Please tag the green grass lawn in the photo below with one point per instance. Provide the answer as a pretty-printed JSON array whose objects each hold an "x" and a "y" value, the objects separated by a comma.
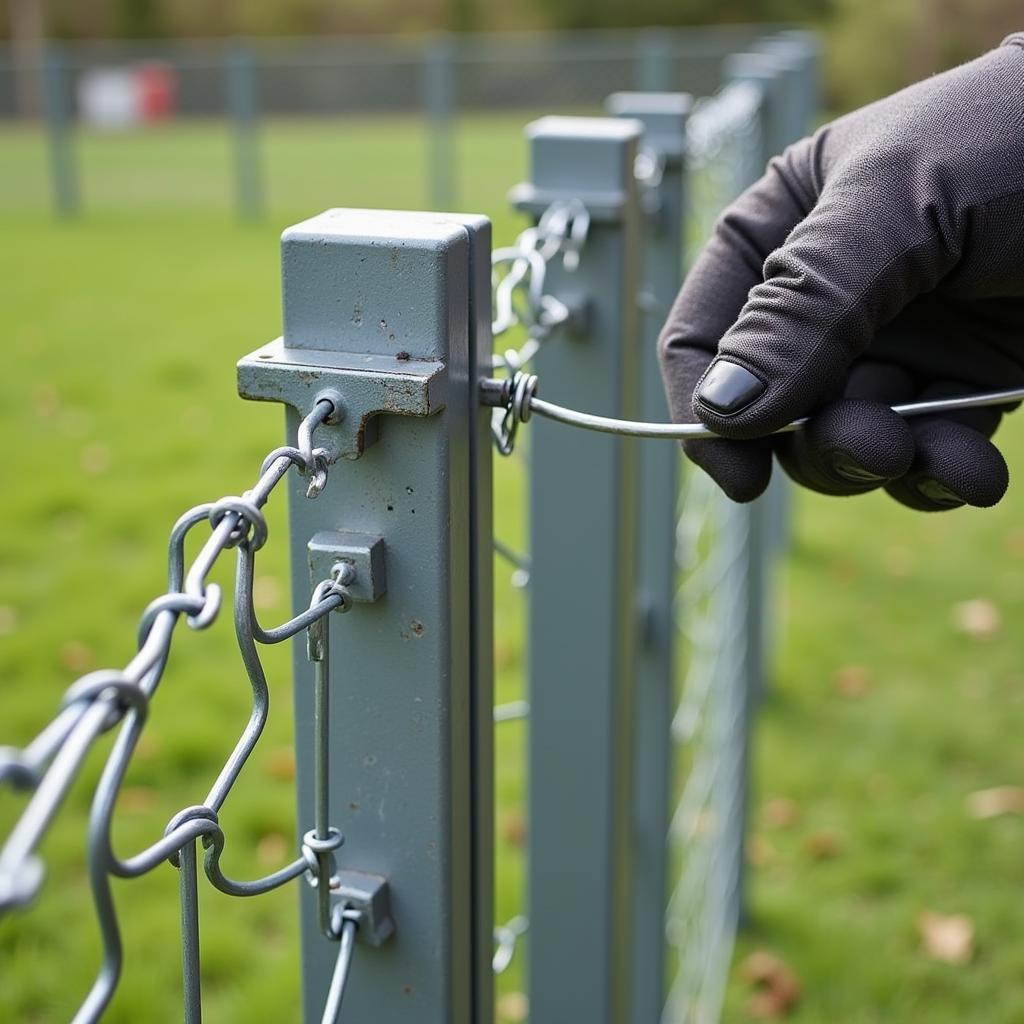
[{"x": 118, "y": 411}]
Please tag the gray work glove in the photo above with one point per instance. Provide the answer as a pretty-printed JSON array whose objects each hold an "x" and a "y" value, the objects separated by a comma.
[{"x": 877, "y": 262}]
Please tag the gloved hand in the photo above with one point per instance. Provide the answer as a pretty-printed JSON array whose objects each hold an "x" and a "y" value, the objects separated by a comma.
[{"x": 879, "y": 261}]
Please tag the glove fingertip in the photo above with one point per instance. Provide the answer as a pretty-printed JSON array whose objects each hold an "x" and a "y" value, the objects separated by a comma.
[
  {"x": 954, "y": 465},
  {"x": 861, "y": 440},
  {"x": 742, "y": 470}
]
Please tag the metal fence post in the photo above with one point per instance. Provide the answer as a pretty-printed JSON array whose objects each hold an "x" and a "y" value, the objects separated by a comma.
[
  {"x": 243, "y": 106},
  {"x": 59, "y": 131},
  {"x": 750, "y": 527},
  {"x": 786, "y": 66},
  {"x": 581, "y": 618},
  {"x": 654, "y": 60},
  {"x": 439, "y": 99},
  {"x": 663, "y": 152},
  {"x": 392, "y": 310}
]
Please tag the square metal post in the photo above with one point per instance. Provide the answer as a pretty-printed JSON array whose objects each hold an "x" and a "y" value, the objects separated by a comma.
[
  {"x": 439, "y": 95},
  {"x": 243, "y": 109},
  {"x": 582, "y": 619},
  {"x": 654, "y": 60},
  {"x": 663, "y": 147},
  {"x": 393, "y": 311},
  {"x": 58, "y": 100}
]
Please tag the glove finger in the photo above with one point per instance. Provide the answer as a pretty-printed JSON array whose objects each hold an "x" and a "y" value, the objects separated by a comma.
[
  {"x": 741, "y": 468},
  {"x": 851, "y": 446},
  {"x": 857, "y": 443},
  {"x": 953, "y": 465},
  {"x": 880, "y": 381}
]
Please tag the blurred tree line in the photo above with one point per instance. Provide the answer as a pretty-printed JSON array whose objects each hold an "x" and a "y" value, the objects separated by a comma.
[{"x": 872, "y": 46}]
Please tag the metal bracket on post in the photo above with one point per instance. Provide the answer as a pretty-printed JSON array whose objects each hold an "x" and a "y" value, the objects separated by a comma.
[
  {"x": 368, "y": 896},
  {"x": 582, "y": 515},
  {"x": 387, "y": 314},
  {"x": 365, "y": 554},
  {"x": 367, "y": 386},
  {"x": 664, "y": 117}
]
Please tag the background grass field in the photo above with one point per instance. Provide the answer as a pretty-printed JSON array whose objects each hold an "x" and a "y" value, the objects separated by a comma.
[{"x": 118, "y": 411}]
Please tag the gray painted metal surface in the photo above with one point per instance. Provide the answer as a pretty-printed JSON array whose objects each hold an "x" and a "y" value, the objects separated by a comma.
[
  {"x": 411, "y": 679},
  {"x": 581, "y": 620},
  {"x": 664, "y": 118},
  {"x": 439, "y": 98},
  {"x": 243, "y": 109},
  {"x": 59, "y": 132}
]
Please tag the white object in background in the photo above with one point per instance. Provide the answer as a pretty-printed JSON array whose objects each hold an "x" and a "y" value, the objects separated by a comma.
[{"x": 109, "y": 98}]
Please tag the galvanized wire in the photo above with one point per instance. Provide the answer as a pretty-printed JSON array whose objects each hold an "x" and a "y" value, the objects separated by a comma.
[
  {"x": 122, "y": 698},
  {"x": 697, "y": 431}
]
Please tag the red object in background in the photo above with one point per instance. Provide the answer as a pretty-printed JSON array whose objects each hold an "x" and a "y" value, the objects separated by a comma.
[{"x": 156, "y": 91}]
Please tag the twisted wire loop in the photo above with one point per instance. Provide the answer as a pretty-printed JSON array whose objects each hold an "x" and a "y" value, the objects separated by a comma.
[
  {"x": 506, "y": 938},
  {"x": 520, "y": 296},
  {"x": 121, "y": 698}
]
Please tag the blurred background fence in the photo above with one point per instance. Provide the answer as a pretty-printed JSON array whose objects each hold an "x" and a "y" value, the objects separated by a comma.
[{"x": 123, "y": 99}]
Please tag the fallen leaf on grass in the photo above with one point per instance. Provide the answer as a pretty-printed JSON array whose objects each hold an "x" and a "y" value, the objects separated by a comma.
[
  {"x": 513, "y": 829},
  {"x": 136, "y": 799},
  {"x": 823, "y": 845},
  {"x": 898, "y": 562},
  {"x": 281, "y": 764},
  {"x": 266, "y": 593},
  {"x": 76, "y": 656},
  {"x": 990, "y": 803},
  {"x": 1015, "y": 542},
  {"x": 947, "y": 937},
  {"x": 272, "y": 849},
  {"x": 95, "y": 459},
  {"x": 148, "y": 747},
  {"x": 513, "y": 1007},
  {"x": 780, "y": 812},
  {"x": 8, "y": 619},
  {"x": 758, "y": 850},
  {"x": 979, "y": 618},
  {"x": 778, "y": 990},
  {"x": 853, "y": 681}
]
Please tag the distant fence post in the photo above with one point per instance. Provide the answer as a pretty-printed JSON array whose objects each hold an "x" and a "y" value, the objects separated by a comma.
[
  {"x": 392, "y": 312},
  {"x": 654, "y": 60},
  {"x": 663, "y": 154},
  {"x": 439, "y": 99},
  {"x": 243, "y": 108},
  {"x": 750, "y": 528},
  {"x": 60, "y": 132},
  {"x": 787, "y": 64},
  {"x": 582, "y": 623}
]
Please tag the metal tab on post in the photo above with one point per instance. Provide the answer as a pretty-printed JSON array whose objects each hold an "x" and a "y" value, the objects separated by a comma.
[
  {"x": 390, "y": 312},
  {"x": 367, "y": 895},
  {"x": 368, "y": 386},
  {"x": 365, "y": 554},
  {"x": 582, "y": 632}
]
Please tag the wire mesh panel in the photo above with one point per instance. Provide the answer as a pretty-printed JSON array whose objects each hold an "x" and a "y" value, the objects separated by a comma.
[{"x": 715, "y": 548}]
